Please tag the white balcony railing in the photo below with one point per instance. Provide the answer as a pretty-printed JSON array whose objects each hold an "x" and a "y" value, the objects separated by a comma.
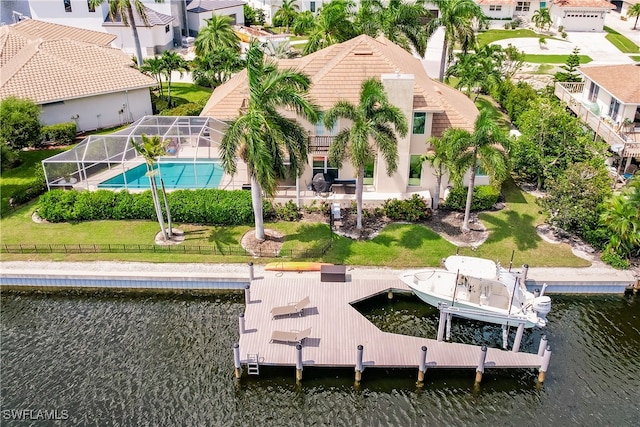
[{"x": 624, "y": 143}]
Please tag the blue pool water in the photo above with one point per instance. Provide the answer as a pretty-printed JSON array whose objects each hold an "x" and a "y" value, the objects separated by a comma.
[{"x": 186, "y": 175}]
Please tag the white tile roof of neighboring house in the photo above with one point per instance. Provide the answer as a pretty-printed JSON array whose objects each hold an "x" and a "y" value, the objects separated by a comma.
[
  {"x": 604, "y": 4},
  {"x": 199, "y": 6},
  {"x": 338, "y": 71},
  {"x": 49, "y": 31},
  {"x": 57, "y": 68},
  {"x": 622, "y": 81},
  {"x": 153, "y": 18}
]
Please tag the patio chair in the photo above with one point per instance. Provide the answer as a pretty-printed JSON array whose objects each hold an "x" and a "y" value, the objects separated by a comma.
[
  {"x": 292, "y": 336},
  {"x": 630, "y": 171},
  {"x": 291, "y": 308}
]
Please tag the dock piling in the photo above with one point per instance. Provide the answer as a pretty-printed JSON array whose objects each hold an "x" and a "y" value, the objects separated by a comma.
[
  {"x": 480, "y": 368},
  {"x": 247, "y": 294},
  {"x": 542, "y": 346},
  {"x": 359, "y": 366},
  {"x": 441, "y": 324},
  {"x": 545, "y": 364},
  {"x": 390, "y": 294},
  {"x": 422, "y": 367},
  {"x": 251, "y": 276},
  {"x": 298, "y": 363},
  {"x": 525, "y": 272},
  {"x": 518, "y": 340},
  {"x": 505, "y": 336},
  {"x": 448, "y": 326},
  {"x": 241, "y": 323},
  {"x": 236, "y": 361}
]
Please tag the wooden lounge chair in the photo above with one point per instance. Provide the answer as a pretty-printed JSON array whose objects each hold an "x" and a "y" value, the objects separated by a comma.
[
  {"x": 290, "y": 336},
  {"x": 291, "y": 308}
]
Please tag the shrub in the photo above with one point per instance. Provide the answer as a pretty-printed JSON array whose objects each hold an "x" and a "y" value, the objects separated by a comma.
[
  {"x": 287, "y": 212},
  {"x": 484, "y": 198},
  {"x": 19, "y": 122},
  {"x": 615, "y": 260},
  {"x": 9, "y": 157},
  {"x": 216, "y": 207},
  {"x": 413, "y": 209},
  {"x": 25, "y": 195},
  {"x": 188, "y": 109},
  {"x": 61, "y": 133}
]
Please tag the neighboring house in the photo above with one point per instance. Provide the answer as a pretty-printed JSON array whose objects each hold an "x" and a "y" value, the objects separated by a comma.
[
  {"x": 498, "y": 9},
  {"x": 156, "y": 35},
  {"x": 270, "y": 7},
  {"x": 337, "y": 73},
  {"x": 72, "y": 74},
  {"x": 199, "y": 10},
  {"x": 609, "y": 102},
  {"x": 580, "y": 15}
]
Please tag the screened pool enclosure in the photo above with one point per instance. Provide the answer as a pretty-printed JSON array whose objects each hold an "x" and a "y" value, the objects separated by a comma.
[{"x": 111, "y": 161}]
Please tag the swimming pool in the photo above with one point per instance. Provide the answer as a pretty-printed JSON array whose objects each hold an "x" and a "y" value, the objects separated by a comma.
[{"x": 184, "y": 175}]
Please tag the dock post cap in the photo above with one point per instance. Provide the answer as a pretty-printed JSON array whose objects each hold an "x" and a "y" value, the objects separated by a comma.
[
  {"x": 424, "y": 348},
  {"x": 236, "y": 345},
  {"x": 298, "y": 346},
  {"x": 360, "y": 347}
]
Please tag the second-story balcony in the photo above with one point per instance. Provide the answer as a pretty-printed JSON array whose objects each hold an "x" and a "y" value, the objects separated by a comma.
[
  {"x": 320, "y": 143},
  {"x": 624, "y": 141}
]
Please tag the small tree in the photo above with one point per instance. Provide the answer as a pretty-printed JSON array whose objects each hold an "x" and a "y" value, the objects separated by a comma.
[
  {"x": 171, "y": 61},
  {"x": 634, "y": 11},
  {"x": 541, "y": 18},
  {"x": 287, "y": 13},
  {"x": 154, "y": 67},
  {"x": 19, "y": 122},
  {"x": 621, "y": 216},
  {"x": 570, "y": 68},
  {"x": 440, "y": 159}
]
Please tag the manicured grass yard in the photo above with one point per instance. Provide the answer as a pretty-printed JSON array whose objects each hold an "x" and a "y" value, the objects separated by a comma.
[
  {"x": 623, "y": 44},
  {"x": 553, "y": 59},
  {"x": 188, "y": 92},
  {"x": 491, "y": 36},
  {"x": 635, "y": 57}
]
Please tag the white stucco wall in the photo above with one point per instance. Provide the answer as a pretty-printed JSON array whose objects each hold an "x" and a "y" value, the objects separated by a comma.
[
  {"x": 153, "y": 40},
  {"x": 197, "y": 20},
  {"x": 578, "y": 19},
  {"x": 100, "y": 111},
  {"x": 506, "y": 11}
]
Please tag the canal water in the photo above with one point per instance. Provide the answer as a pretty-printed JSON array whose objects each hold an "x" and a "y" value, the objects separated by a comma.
[{"x": 110, "y": 359}]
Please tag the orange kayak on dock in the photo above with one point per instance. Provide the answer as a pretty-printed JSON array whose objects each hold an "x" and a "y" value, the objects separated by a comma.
[{"x": 295, "y": 266}]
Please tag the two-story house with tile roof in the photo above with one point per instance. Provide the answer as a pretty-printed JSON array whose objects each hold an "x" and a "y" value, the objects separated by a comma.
[
  {"x": 337, "y": 73},
  {"x": 72, "y": 74}
]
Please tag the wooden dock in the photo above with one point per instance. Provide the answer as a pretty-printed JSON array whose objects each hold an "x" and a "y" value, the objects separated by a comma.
[{"x": 337, "y": 329}]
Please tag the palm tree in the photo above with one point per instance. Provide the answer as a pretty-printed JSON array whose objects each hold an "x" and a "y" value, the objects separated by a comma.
[
  {"x": 151, "y": 148},
  {"x": 171, "y": 61},
  {"x": 400, "y": 22},
  {"x": 634, "y": 11},
  {"x": 287, "y": 13},
  {"x": 621, "y": 216},
  {"x": 478, "y": 71},
  {"x": 485, "y": 148},
  {"x": 456, "y": 16},
  {"x": 216, "y": 67},
  {"x": 373, "y": 120},
  {"x": 153, "y": 67},
  {"x": 331, "y": 26},
  {"x": 217, "y": 34},
  {"x": 440, "y": 158},
  {"x": 261, "y": 136},
  {"x": 303, "y": 23},
  {"x": 124, "y": 9},
  {"x": 541, "y": 18}
]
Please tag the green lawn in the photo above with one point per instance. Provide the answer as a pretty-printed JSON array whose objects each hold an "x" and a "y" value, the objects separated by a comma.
[
  {"x": 553, "y": 59},
  {"x": 22, "y": 177},
  {"x": 623, "y": 44},
  {"x": 491, "y": 36},
  {"x": 188, "y": 92},
  {"x": 513, "y": 229},
  {"x": 635, "y": 57}
]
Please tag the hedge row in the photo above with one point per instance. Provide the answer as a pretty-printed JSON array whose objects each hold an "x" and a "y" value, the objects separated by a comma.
[
  {"x": 484, "y": 198},
  {"x": 216, "y": 207},
  {"x": 412, "y": 209},
  {"x": 61, "y": 133}
]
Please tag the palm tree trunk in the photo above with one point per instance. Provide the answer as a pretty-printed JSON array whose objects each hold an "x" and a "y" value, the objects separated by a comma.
[
  {"x": 443, "y": 58},
  {"x": 436, "y": 194},
  {"x": 169, "y": 88},
  {"x": 136, "y": 37},
  {"x": 156, "y": 203},
  {"x": 636, "y": 23},
  {"x": 166, "y": 207},
  {"x": 256, "y": 200},
  {"x": 467, "y": 208},
  {"x": 359, "y": 188}
]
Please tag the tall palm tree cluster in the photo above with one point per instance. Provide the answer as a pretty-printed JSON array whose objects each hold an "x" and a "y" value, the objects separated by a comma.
[{"x": 163, "y": 66}]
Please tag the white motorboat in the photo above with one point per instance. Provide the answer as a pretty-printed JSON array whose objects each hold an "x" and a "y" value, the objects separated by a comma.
[{"x": 480, "y": 289}]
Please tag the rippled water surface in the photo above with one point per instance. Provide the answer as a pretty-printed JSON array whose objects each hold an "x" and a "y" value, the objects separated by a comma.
[{"x": 167, "y": 360}]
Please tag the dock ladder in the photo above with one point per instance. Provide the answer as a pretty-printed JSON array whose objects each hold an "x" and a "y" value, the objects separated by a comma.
[{"x": 253, "y": 365}]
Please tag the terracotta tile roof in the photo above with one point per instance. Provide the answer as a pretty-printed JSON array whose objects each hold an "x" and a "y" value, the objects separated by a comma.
[
  {"x": 622, "y": 81},
  {"x": 153, "y": 18},
  {"x": 199, "y": 6},
  {"x": 584, "y": 3},
  {"x": 338, "y": 71},
  {"x": 496, "y": 2},
  {"x": 50, "y": 70},
  {"x": 49, "y": 31}
]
